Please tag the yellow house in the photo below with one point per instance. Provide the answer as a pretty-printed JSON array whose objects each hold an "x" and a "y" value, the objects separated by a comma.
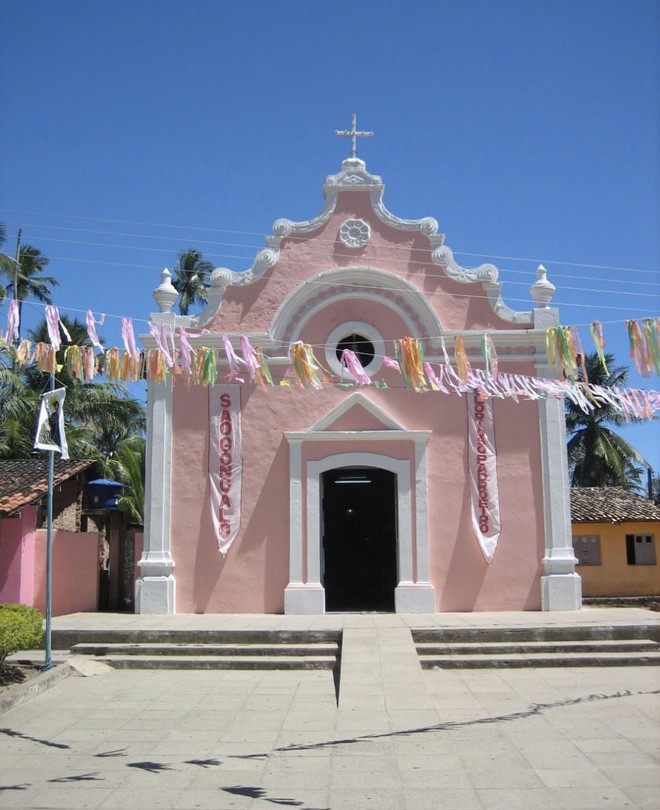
[{"x": 614, "y": 538}]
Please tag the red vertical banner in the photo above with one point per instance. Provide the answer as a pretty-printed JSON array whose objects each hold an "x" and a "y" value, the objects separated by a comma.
[
  {"x": 482, "y": 467},
  {"x": 225, "y": 463}
]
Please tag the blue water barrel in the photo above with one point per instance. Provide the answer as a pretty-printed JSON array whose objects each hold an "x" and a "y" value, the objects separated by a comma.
[{"x": 103, "y": 493}]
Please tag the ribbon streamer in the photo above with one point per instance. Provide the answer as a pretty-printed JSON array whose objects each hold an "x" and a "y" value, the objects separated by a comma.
[
  {"x": 13, "y": 322},
  {"x": 350, "y": 361},
  {"x": 91, "y": 328}
]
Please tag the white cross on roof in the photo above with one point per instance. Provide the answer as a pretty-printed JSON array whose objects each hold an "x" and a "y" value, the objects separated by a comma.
[{"x": 354, "y": 134}]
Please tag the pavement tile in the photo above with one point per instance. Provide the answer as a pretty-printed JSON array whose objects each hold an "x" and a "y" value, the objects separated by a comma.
[
  {"x": 56, "y": 796},
  {"x": 354, "y": 763},
  {"x": 295, "y": 782},
  {"x": 572, "y": 778},
  {"x": 635, "y": 776},
  {"x": 135, "y": 798},
  {"x": 366, "y": 799},
  {"x": 371, "y": 775},
  {"x": 444, "y": 798},
  {"x": 643, "y": 796},
  {"x": 592, "y": 798},
  {"x": 438, "y": 778},
  {"x": 519, "y": 799},
  {"x": 606, "y": 744}
]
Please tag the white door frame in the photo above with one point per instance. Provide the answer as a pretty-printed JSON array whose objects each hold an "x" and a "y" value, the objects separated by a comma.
[{"x": 305, "y": 593}]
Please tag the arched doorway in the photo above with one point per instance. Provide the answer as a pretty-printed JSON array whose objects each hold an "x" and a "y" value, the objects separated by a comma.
[{"x": 359, "y": 532}]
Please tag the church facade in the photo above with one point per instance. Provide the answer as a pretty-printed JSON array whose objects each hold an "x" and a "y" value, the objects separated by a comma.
[{"x": 400, "y": 483}]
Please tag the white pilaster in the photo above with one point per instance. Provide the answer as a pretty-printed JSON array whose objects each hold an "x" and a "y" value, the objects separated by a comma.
[
  {"x": 561, "y": 586},
  {"x": 300, "y": 598},
  {"x": 418, "y": 596},
  {"x": 155, "y": 589}
]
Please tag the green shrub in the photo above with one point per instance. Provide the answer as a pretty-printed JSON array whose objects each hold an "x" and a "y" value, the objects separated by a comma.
[{"x": 21, "y": 628}]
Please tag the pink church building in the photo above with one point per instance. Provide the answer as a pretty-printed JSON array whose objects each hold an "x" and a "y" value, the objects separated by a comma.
[{"x": 347, "y": 496}]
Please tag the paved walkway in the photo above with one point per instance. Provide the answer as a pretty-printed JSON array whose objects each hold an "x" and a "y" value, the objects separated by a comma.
[{"x": 397, "y": 738}]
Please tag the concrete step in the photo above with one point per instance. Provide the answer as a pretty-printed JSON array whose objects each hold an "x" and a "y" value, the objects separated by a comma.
[
  {"x": 559, "y": 659},
  {"x": 432, "y": 648},
  {"x": 527, "y": 634},
  {"x": 218, "y": 650},
  {"x": 234, "y": 662},
  {"x": 64, "y": 639}
]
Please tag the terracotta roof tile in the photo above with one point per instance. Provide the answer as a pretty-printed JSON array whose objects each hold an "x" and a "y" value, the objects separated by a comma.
[
  {"x": 25, "y": 481},
  {"x": 610, "y": 505}
]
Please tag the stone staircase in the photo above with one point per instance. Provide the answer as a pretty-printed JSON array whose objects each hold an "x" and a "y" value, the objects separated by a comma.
[
  {"x": 441, "y": 648},
  {"x": 206, "y": 649},
  {"x": 458, "y": 648}
]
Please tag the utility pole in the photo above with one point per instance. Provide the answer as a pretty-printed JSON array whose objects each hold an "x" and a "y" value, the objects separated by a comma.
[
  {"x": 48, "y": 662},
  {"x": 17, "y": 265}
]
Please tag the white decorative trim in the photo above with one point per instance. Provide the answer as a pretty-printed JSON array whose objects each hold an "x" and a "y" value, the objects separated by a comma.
[
  {"x": 305, "y": 593},
  {"x": 354, "y": 177},
  {"x": 355, "y": 283},
  {"x": 155, "y": 588},
  {"x": 357, "y": 399},
  {"x": 401, "y": 468},
  {"x": 561, "y": 586},
  {"x": 342, "y": 331}
]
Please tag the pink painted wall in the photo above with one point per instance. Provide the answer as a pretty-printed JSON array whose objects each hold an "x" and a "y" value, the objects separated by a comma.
[
  {"x": 253, "y": 576},
  {"x": 75, "y": 572},
  {"x": 17, "y": 541},
  {"x": 405, "y": 253}
]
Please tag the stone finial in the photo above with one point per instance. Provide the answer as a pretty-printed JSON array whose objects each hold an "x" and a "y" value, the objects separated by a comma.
[
  {"x": 542, "y": 290},
  {"x": 165, "y": 294}
]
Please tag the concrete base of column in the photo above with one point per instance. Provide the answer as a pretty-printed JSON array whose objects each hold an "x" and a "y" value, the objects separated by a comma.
[
  {"x": 561, "y": 592},
  {"x": 303, "y": 599},
  {"x": 414, "y": 597},
  {"x": 155, "y": 595}
]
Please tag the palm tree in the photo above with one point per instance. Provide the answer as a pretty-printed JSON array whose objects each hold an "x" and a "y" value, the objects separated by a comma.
[
  {"x": 128, "y": 467},
  {"x": 29, "y": 281},
  {"x": 7, "y": 264},
  {"x": 103, "y": 412},
  {"x": 597, "y": 455},
  {"x": 18, "y": 409},
  {"x": 190, "y": 274},
  {"x": 98, "y": 415}
]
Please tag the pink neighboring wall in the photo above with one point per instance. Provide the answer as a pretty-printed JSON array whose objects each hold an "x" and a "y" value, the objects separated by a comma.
[
  {"x": 75, "y": 572},
  {"x": 17, "y": 539}
]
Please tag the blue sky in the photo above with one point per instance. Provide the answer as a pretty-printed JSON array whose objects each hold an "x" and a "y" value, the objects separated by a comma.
[{"x": 529, "y": 130}]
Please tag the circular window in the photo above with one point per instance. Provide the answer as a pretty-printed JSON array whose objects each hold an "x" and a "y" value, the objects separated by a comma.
[
  {"x": 362, "y": 346},
  {"x": 361, "y": 338},
  {"x": 354, "y": 233}
]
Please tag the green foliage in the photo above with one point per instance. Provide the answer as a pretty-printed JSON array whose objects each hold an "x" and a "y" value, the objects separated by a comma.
[
  {"x": 21, "y": 628},
  {"x": 597, "y": 455},
  {"x": 128, "y": 467},
  {"x": 98, "y": 415},
  {"x": 191, "y": 274},
  {"x": 7, "y": 264}
]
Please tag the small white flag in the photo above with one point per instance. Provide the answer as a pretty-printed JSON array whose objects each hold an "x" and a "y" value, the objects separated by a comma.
[{"x": 50, "y": 427}]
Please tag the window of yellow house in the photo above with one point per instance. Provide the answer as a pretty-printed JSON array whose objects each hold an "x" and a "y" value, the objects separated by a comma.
[
  {"x": 640, "y": 549},
  {"x": 587, "y": 548}
]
